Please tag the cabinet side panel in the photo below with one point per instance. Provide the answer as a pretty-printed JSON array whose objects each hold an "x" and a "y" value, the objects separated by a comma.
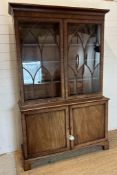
[
  {"x": 46, "y": 132},
  {"x": 88, "y": 123}
]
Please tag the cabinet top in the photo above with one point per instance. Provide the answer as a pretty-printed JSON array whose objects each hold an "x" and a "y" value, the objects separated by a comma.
[{"x": 49, "y": 8}]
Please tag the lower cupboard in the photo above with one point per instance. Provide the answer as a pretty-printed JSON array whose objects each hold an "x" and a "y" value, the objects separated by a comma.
[{"x": 63, "y": 128}]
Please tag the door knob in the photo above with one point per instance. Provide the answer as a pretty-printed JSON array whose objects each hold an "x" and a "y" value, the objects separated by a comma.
[{"x": 71, "y": 137}]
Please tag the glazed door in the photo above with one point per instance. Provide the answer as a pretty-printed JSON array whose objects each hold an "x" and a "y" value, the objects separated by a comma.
[
  {"x": 88, "y": 123},
  {"x": 83, "y": 58},
  {"x": 47, "y": 131},
  {"x": 41, "y": 44}
]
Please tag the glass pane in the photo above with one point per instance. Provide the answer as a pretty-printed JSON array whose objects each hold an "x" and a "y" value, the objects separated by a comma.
[
  {"x": 40, "y": 60},
  {"x": 83, "y": 59}
]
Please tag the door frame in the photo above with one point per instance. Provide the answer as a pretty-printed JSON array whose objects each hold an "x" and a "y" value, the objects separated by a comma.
[
  {"x": 17, "y": 20},
  {"x": 84, "y": 21}
]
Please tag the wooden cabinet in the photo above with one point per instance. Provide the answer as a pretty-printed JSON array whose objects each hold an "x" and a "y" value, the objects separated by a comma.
[{"x": 60, "y": 71}]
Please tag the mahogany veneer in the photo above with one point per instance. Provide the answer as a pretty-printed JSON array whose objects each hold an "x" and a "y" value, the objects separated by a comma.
[{"x": 60, "y": 71}]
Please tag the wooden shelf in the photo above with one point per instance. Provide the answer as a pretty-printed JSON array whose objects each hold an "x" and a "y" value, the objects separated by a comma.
[
  {"x": 47, "y": 44},
  {"x": 42, "y": 83},
  {"x": 73, "y": 45},
  {"x": 50, "y": 61},
  {"x": 84, "y": 79}
]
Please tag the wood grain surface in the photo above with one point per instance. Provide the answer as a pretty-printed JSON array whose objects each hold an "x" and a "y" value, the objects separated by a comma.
[
  {"x": 88, "y": 123},
  {"x": 46, "y": 132}
]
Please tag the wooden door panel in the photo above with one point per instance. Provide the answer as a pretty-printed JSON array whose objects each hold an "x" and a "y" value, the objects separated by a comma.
[
  {"x": 47, "y": 131},
  {"x": 88, "y": 123}
]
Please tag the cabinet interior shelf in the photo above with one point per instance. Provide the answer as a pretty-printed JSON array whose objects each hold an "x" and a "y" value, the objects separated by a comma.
[
  {"x": 84, "y": 79},
  {"x": 41, "y": 44},
  {"x": 44, "y": 82},
  {"x": 45, "y": 61}
]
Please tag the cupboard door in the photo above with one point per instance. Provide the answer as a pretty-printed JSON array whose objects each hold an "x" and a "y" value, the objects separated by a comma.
[
  {"x": 83, "y": 52},
  {"x": 47, "y": 131},
  {"x": 41, "y": 59},
  {"x": 88, "y": 123}
]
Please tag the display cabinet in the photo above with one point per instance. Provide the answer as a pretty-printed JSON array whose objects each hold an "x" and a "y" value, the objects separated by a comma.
[{"x": 60, "y": 69}]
